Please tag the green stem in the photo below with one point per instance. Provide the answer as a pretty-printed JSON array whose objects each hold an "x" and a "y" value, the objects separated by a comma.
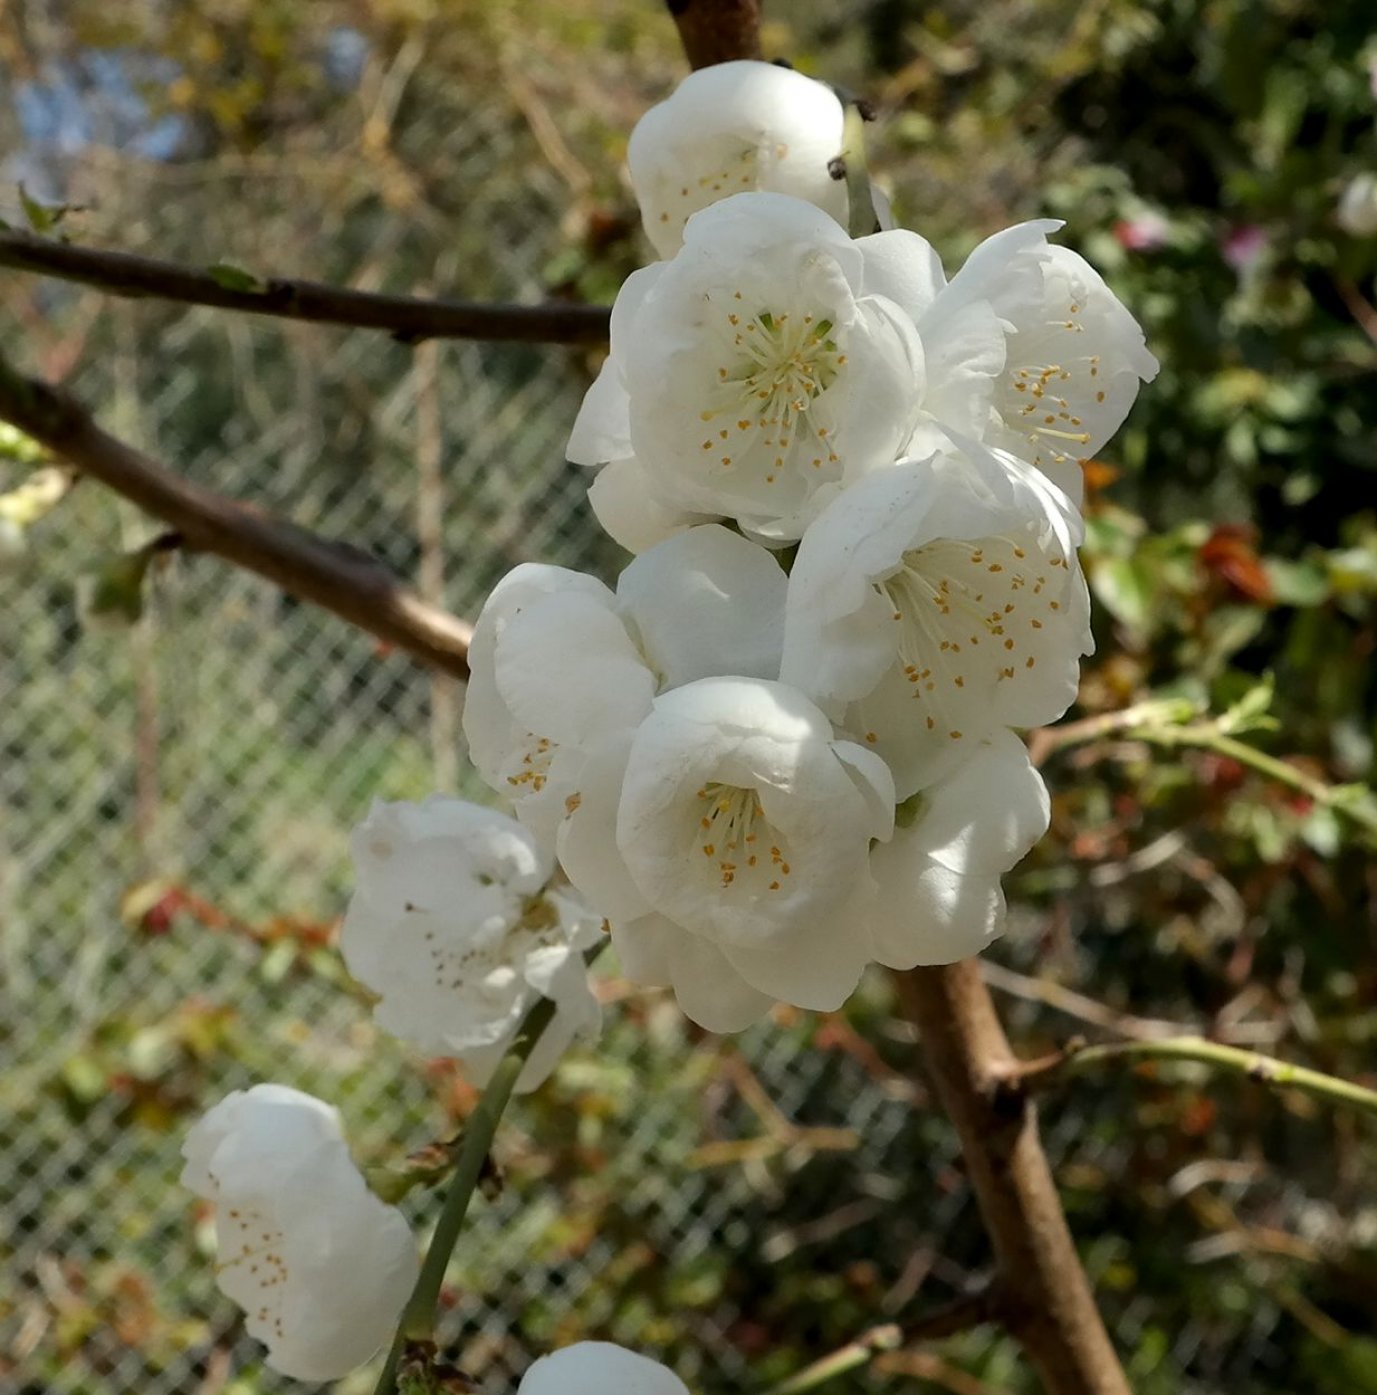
[
  {"x": 1209, "y": 738},
  {"x": 960, "y": 1315},
  {"x": 418, "y": 1317},
  {"x": 847, "y": 1358},
  {"x": 1266, "y": 1070},
  {"x": 862, "y": 220}
]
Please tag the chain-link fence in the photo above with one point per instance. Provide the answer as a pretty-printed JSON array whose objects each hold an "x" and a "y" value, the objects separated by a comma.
[{"x": 176, "y": 803}]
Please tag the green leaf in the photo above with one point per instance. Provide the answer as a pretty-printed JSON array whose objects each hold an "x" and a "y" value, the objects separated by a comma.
[
  {"x": 111, "y": 596},
  {"x": 1250, "y": 712},
  {"x": 235, "y": 278},
  {"x": 277, "y": 962},
  {"x": 1297, "y": 583},
  {"x": 84, "y": 1076},
  {"x": 22, "y": 449},
  {"x": 1124, "y": 587},
  {"x": 43, "y": 218}
]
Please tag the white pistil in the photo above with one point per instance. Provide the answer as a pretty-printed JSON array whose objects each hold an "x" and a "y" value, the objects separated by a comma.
[{"x": 779, "y": 365}]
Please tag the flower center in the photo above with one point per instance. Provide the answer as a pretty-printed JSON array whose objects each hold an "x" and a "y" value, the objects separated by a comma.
[
  {"x": 735, "y": 837},
  {"x": 777, "y": 366},
  {"x": 964, "y": 615}
]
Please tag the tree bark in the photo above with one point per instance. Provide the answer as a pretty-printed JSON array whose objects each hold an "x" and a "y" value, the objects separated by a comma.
[
  {"x": 717, "y": 31},
  {"x": 1046, "y": 1300},
  {"x": 353, "y": 585}
]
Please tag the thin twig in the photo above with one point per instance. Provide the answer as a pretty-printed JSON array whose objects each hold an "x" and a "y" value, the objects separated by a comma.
[
  {"x": 338, "y": 578},
  {"x": 1358, "y": 305},
  {"x": 1166, "y": 723},
  {"x": 1123, "y": 1024},
  {"x": 418, "y": 1318},
  {"x": 1265, "y": 1070},
  {"x": 1206, "y": 737},
  {"x": 960, "y": 1315},
  {"x": 410, "y": 318}
]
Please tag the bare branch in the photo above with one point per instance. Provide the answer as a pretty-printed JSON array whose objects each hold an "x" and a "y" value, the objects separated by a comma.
[
  {"x": 716, "y": 31},
  {"x": 960, "y": 1315},
  {"x": 1264, "y": 1070},
  {"x": 341, "y": 579},
  {"x": 409, "y": 318},
  {"x": 1047, "y": 1302}
]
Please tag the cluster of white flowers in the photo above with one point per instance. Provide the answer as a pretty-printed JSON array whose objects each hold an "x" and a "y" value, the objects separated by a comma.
[
  {"x": 456, "y": 928},
  {"x": 783, "y": 747}
]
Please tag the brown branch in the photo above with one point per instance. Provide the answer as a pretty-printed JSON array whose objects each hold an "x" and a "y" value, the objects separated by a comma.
[
  {"x": 349, "y": 583},
  {"x": 409, "y": 318},
  {"x": 716, "y": 31},
  {"x": 1046, "y": 1300}
]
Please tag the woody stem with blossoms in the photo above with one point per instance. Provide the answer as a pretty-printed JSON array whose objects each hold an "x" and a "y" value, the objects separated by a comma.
[{"x": 783, "y": 747}]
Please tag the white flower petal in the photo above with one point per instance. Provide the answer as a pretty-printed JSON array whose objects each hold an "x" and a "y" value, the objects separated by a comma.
[
  {"x": 937, "y": 881},
  {"x": 705, "y": 603},
  {"x": 568, "y": 669},
  {"x": 599, "y": 1368},
  {"x": 730, "y": 128},
  {"x": 759, "y": 374},
  {"x": 656, "y": 952},
  {"x": 498, "y": 745},
  {"x": 818, "y": 969},
  {"x": 632, "y": 513},
  {"x": 709, "y": 988},
  {"x": 450, "y": 927},
  {"x": 937, "y": 601},
  {"x": 587, "y": 842},
  {"x": 1074, "y": 368},
  {"x": 737, "y": 818},
  {"x": 903, "y": 267},
  {"x": 1004, "y": 270},
  {"x": 321, "y": 1267},
  {"x": 927, "y": 914},
  {"x": 602, "y": 429},
  {"x": 1074, "y": 357}
]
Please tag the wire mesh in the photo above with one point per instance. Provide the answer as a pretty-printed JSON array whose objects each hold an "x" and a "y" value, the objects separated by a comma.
[{"x": 173, "y": 854}]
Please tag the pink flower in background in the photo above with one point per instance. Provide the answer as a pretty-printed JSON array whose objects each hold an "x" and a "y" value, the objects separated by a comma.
[
  {"x": 1148, "y": 232},
  {"x": 1243, "y": 246}
]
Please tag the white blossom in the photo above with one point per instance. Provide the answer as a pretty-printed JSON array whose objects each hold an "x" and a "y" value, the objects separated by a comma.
[
  {"x": 1074, "y": 355},
  {"x": 1357, "y": 210},
  {"x": 599, "y": 1368},
  {"x": 755, "y": 373},
  {"x": 937, "y": 894},
  {"x": 936, "y": 601},
  {"x": 559, "y": 662},
  {"x": 321, "y": 1267},
  {"x": 453, "y": 926},
  {"x": 727, "y": 839},
  {"x": 731, "y": 128}
]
